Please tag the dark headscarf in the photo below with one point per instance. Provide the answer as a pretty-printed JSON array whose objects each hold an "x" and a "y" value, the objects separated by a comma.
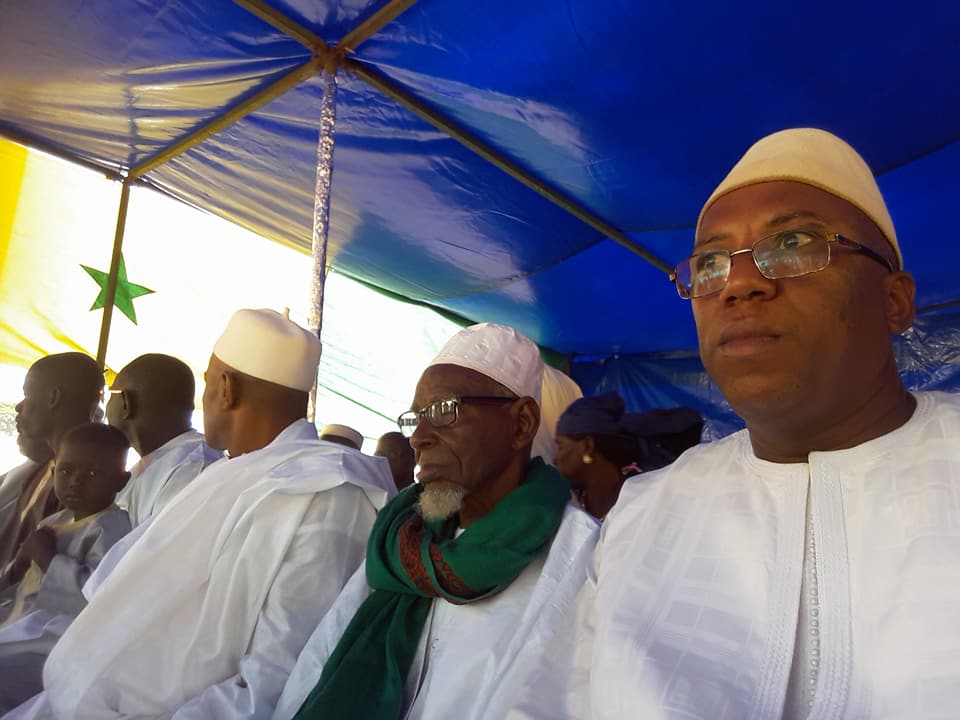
[{"x": 661, "y": 434}]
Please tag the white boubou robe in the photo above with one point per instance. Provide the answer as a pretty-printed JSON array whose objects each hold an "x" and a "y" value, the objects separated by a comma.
[
  {"x": 205, "y": 615},
  {"x": 11, "y": 485},
  {"x": 471, "y": 658},
  {"x": 158, "y": 476},
  {"x": 694, "y": 610},
  {"x": 38, "y": 609}
]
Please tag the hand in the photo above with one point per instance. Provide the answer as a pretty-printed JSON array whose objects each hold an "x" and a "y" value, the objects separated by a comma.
[{"x": 40, "y": 547}]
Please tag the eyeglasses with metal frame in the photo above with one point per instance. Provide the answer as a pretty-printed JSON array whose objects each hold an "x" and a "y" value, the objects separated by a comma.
[
  {"x": 784, "y": 254},
  {"x": 443, "y": 412}
]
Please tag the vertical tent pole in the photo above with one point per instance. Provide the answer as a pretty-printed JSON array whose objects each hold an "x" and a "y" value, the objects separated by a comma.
[
  {"x": 114, "y": 271},
  {"x": 321, "y": 209}
]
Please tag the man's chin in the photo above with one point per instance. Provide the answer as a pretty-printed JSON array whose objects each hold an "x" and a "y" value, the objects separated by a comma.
[{"x": 440, "y": 500}]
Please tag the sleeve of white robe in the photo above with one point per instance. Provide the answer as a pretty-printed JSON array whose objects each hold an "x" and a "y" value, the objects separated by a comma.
[
  {"x": 321, "y": 645},
  {"x": 182, "y": 476},
  {"x": 325, "y": 551},
  {"x": 560, "y": 687}
]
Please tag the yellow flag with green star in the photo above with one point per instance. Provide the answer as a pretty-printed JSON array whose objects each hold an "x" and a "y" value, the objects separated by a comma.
[
  {"x": 182, "y": 272},
  {"x": 57, "y": 223},
  {"x": 46, "y": 232}
]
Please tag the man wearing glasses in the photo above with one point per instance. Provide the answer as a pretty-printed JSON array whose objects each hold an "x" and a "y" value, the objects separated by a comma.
[
  {"x": 470, "y": 571},
  {"x": 808, "y": 566}
]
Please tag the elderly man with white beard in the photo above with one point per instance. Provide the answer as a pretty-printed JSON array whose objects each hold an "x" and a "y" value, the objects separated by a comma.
[{"x": 469, "y": 572}]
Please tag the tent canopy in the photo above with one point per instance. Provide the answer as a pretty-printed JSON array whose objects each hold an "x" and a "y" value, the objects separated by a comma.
[{"x": 631, "y": 111}]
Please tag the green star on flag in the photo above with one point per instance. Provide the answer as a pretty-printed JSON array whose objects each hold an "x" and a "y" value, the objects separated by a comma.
[{"x": 126, "y": 290}]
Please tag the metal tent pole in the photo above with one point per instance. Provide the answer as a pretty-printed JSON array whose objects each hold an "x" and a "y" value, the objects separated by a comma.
[{"x": 114, "y": 271}]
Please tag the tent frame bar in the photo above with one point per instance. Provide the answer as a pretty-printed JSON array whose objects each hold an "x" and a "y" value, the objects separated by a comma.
[
  {"x": 238, "y": 112},
  {"x": 281, "y": 22},
  {"x": 329, "y": 59},
  {"x": 373, "y": 24},
  {"x": 49, "y": 148},
  {"x": 495, "y": 157}
]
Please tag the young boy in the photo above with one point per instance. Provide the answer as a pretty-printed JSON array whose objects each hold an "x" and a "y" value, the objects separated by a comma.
[{"x": 40, "y": 591}]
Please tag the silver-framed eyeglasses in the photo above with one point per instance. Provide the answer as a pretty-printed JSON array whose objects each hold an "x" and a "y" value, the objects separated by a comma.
[
  {"x": 443, "y": 412},
  {"x": 785, "y": 254}
]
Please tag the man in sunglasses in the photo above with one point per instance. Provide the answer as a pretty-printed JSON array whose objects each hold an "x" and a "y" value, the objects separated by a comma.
[
  {"x": 206, "y": 612},
  {"x": 808, "y": 566},
  {"x": 469, "y": 572},
  {"x": 151, "y": 402}
]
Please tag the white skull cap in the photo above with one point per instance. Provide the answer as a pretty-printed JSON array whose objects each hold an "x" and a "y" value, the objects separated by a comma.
[
  {"x": 266, "y": 345},
  {"x": 499, "y": 352}
]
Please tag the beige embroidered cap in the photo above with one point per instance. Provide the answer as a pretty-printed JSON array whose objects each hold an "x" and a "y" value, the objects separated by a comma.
[
  {"x": 267, "y": 345},
  {"x": 813, "y": 157}
]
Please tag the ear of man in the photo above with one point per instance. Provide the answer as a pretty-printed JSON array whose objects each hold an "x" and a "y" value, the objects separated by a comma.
[
  {"x": 899, "y": 290},
  {"x": 128, "y": 407},
  {"x": 53, "y": 399},
  {"x": 526, "y": 419},
  {"x": 231, "y": 390}
]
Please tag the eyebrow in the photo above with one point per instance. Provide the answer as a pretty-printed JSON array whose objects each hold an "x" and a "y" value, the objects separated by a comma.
[
  {"x": 774, "y": 223},
  {"x": 779, "y": 221}
]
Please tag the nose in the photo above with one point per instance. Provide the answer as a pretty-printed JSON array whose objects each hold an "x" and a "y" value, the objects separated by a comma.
[
  {"x": 422, "y": 436},
  {"x": 68, "y": 478},
  {"x": 19, "y": 406},
  {"x": 745, "y": 280}
]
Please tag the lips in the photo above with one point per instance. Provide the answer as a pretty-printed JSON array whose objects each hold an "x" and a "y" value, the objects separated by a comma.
[
  {"x": 745, "y": 338},
  {"x": 428, "y": 472}
]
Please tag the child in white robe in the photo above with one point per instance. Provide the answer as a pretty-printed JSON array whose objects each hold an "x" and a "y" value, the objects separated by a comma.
[{"x": 40, "y": 591}]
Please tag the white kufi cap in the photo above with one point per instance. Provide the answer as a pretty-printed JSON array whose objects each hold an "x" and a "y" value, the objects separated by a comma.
[
  {"x": 269, "y": 346},
  {"x": 812, "y": 157},
  {"x": 499, "y": 352}
]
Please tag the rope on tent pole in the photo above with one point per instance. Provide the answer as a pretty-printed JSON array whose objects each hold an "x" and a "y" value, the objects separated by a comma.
[
  {"x": 114, "y": 272},
  {"x": 472, "y": 142},
  {"x": 321, "y": 210}
]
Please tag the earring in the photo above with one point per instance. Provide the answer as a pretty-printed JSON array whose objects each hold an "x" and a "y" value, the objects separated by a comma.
[{"x": 587, "y": 459}]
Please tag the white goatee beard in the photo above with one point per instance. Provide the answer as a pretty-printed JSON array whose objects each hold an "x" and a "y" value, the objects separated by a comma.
[{"x": 440, "y": 500}]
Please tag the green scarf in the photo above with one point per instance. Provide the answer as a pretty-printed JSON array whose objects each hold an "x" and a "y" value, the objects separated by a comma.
[{"x": 410, "y": 562}]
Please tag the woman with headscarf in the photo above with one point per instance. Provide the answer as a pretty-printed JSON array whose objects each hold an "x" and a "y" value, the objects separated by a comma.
[{"x": 599, "y": 445}]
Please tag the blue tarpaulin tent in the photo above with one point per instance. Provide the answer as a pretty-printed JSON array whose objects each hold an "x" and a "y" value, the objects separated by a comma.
[{"x": 539, "y": 163}]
